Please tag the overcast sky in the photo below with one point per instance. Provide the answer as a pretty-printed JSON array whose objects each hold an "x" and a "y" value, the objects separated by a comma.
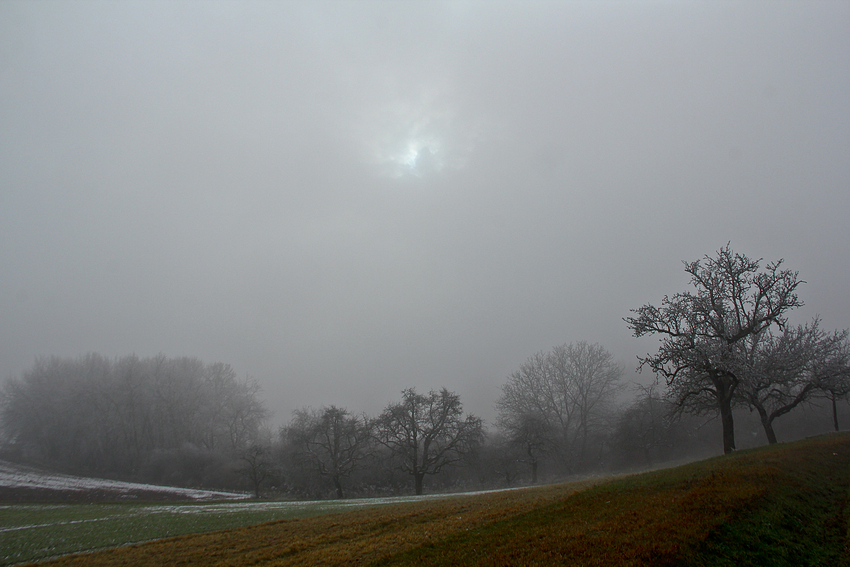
[{"x": 345, "y": 199}]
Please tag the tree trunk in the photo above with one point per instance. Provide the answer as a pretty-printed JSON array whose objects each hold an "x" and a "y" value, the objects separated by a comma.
[
  {"x": 768, "y": 430},
  {"x": 417, "y": 479},
  {"x": 728, "y": 424},
  {"x": 534, "y": 472},
  {"x": 766, "y": 423},
  {"x": 834, "y": 412},
  {"x": 338, "y": 486},
  {"x": 583, "y": 444}
]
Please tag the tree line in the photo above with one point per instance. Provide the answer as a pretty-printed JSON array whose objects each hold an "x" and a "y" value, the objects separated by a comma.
[
  {"x": 726, "y": 347},
  {"x": 419, "y": 436},
  {"x": 153, "y": 419}
]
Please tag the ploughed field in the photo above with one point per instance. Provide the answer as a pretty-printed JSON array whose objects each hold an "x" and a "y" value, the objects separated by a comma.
[{"x": 778, "y": 505}]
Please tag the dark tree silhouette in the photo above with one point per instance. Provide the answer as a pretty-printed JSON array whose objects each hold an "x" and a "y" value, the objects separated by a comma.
[
  {"x": 257, "y": 466},
  {"x": 831, "y": 374},
  {"x": 427, "y": 432},
  {"x": 733, "y": 299}
]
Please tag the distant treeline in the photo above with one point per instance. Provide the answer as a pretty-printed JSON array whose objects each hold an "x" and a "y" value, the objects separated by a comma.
[
  {"x": 185, "y": 423},
  {"x": 157, "y": 419}
]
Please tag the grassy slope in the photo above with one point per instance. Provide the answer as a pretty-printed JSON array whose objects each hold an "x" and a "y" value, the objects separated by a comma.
[{"x": 781, "y": 505}]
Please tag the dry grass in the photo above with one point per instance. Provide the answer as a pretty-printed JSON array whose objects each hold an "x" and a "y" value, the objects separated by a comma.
[{"x": 668, "y": 517}]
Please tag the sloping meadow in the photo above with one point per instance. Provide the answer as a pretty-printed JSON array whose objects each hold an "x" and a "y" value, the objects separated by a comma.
[{"x": 778, "y": 505}]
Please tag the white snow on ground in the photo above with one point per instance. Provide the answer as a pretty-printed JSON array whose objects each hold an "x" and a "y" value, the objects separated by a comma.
[
  {"x": 288, "y": 504},
  {"x": 17, "y": 476}
]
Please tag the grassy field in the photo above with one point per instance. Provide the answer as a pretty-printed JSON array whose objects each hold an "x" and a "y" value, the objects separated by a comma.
[
  {"x": 781, "y": 505},
  {"x": 33, "y": 532}
]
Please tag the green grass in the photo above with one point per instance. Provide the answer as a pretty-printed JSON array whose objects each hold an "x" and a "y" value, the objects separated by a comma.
[
  {"x": 778, "y": 506},
  {"x": 801, "y": 520},
  {"x": 33, "y": 532}
]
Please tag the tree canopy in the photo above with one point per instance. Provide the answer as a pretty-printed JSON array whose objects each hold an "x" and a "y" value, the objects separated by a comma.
[{"x": 332, "y": 440}]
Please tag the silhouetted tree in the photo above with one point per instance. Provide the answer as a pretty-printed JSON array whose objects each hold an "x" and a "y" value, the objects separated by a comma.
[
  {"x": 831, "y": 373},
  {"x": 649, "y": 430},
  {"x": 256, "y": 465},
  {"x": 427, "y": 432},
  {"x": 700, "y": 331},
  {"x": 529, "y": 439}
]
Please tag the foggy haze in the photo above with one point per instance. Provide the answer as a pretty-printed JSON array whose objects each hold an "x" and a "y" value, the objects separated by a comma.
[{"x": 345, "y": 199}]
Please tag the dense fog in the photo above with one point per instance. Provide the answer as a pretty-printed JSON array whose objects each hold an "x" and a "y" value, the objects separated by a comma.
[{"x": 342, "y": 202}]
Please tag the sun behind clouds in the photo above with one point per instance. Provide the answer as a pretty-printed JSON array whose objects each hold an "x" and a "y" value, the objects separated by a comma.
[{"x": 420, "y": 137}]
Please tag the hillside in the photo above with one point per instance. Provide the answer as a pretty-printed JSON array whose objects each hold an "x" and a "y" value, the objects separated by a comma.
[{"x": 778, "y": 505}]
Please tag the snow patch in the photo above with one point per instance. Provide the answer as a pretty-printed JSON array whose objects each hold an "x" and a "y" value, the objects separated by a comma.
[{"x": 18, "y": 476}]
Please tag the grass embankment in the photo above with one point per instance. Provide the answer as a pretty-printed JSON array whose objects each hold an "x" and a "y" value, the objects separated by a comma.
[{"x": 781, "y": 505}]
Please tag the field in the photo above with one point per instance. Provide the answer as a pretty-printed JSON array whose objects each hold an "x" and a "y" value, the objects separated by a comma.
[
  {"x": 33, "y": 532},
  {"x": 780, "y": 505}
]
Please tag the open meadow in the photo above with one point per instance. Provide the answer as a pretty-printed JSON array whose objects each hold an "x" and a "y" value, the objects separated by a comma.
[
  {"x": 777, "y": 505},
  {"x": 33, "y": 532}
]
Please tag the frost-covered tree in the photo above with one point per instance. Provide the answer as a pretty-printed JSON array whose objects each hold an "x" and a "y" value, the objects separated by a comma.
[
  {"x": 733, "y": 299},
  {"x": 780, "y": 370}
]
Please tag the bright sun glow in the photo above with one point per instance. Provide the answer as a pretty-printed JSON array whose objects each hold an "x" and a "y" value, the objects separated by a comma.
[
  {"x": 410, "y": 154},
  {"x": 418, "y": 137}
]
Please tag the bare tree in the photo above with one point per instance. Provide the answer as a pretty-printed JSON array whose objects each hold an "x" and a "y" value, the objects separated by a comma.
[
  {"x": 556, "y": 400},
  {"x": 779, "y": 371},
  {"x": 528, "y": 436},
  {"x": 644, "y": 426},
  {"x": 700, "y": 331},
  {"x": 257, "y": 465},
  {"x": 427, "y": 432},
  {"x": 333, "y": 440},
  {"x": 831, "y": 373}
]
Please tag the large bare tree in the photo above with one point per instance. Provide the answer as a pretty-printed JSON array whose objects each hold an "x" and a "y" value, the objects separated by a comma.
[
  {"x": 700, "y": 330},
  {"x": 557, "y": 399},
  {"x": 427, "y": 432}
]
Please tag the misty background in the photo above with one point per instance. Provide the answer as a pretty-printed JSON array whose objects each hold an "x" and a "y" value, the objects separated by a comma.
[{"x": 345, "y": 199}]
